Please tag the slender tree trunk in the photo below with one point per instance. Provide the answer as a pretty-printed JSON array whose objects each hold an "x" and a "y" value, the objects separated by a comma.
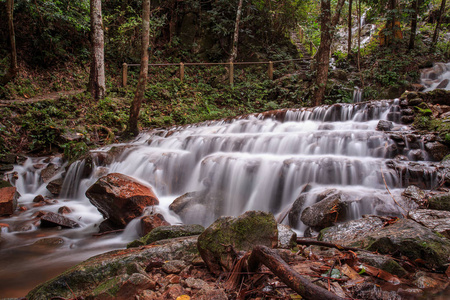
[
  {"x": 438, "y": 24},
  {"x": 236, "y": 32},
  {"x": 97, "y": 86},
  {"x": 327, "y": 30},
  {"x": 349, "y": 47},
  {"x": 412, "y": 36},
  {"x": 13, "y": 68},
  {"x": 139, "y": 95}
]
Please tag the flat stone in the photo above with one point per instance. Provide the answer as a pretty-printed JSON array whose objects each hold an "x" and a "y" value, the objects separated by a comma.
[
  {"x": 167, "y": 232},
  {"x": 436, "y": 220},
  {"x": 173, "y": 266},
  {"x": 51, "y": 219}
]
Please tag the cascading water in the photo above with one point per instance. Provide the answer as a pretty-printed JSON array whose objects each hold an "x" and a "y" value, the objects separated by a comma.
[
  {"x": 259, "y": 162},
  {"x": 437, "y": 77}
]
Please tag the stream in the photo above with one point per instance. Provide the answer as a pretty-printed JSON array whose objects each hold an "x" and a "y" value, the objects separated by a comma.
[{"x": 256, "y": 162}]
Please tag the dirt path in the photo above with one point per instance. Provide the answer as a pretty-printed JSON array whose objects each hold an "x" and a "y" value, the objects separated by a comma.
[{"x": 51, "y": 96}]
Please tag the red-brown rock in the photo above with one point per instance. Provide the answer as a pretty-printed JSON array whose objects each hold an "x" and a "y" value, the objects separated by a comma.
[
  {"x": 8, "y": 200},
  {"x": 120, "y": 198},
  {"x": 148, "y": 223},
  {"x": 51, "y": 219}
]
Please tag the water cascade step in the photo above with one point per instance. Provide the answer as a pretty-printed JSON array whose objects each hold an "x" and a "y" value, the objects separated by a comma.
[{"x": 258, "y": 162}]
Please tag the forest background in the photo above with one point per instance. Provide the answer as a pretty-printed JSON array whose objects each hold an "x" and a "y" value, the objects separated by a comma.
[{"x": 53, "y": 51}]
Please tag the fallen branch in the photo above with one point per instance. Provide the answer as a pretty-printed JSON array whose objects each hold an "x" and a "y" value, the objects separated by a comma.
[
  {"x": 308, "y": 242},
  {"x": 306, "y": 289}
]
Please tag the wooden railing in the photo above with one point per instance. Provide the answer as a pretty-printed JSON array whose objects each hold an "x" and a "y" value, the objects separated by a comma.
[{"x": 230, "y": 65}]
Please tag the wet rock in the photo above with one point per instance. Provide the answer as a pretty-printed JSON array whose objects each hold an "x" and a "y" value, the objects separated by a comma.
[
  {"x": 167, "y": 232},
  {"x": 195, "y": 283},
  {"x": 49, "y": 172},
  {"x": 240, "y": 234},
  {"x": 423, "y": 282},
  {"x": 173, "y": 266},
  {"x": 404, "y": 237},
  {"x": 136, "y": 283},
  {"x": 8, "y": 200},
  {"x": 436, "y": 220},
  {"x": 199, "y": 207},
  {"x": 382, "y": 262},
  {"x": 102, "y": 269},
  {"x": 55, "y": 186},
  {"x": 440, "y": 202},
  {"x": 443, "y": 84},
  {"x": 173, "y": 292},
  {"x": 120, "y": 198},
  {"x": 371, "y": 291},
  {"x": 415, "y": 194},
  {"x": 63, "y": 210},
  {"x": 38, "y": 198},
  {"x": 4, "y": 183},
  {"x": 51, "y": 219},
  {"x": 210, "y": 293},
  {"x": 325, "y": 213},
  {"x": 50, "y": 242},
  {"x": 148, "y": 223},
  {"x": 384, "y": 125},
  {"x": 296, "y": 209},
  {"x": 286, "y": 236},
  {"x": 437, "y": 150}
]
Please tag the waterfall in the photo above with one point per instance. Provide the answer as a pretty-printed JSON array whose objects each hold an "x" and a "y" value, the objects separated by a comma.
[
  {"x": 357, "y": 95},
  {"x": 255, "y": 162},
  {"x": 437, "y": 77}
]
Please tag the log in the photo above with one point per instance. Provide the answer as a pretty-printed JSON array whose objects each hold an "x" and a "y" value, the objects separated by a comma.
[{"x": 301, "y": 285}]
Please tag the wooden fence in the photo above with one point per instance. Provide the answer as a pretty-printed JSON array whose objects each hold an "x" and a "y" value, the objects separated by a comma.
[{"x": 230, "y": 65}]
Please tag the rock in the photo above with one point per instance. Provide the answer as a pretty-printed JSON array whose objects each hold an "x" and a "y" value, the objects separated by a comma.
[
  {"x": 173, "y": 266},
  {"x": 286, "y": 236},
  {"x": 8, "y": 200},
  {"x": 344, "y": 233},
  {"x": 437, "y": 150},
  {"x": 51, "y": 219},
  {"x": 199, "y": 207},
  {"x": 38, "y": 198},
  {"x": 424, "y": 282},
  {"x": 404, "y": 237},
  {"x": 136, "y": 283},
  {"x": 167, "y": 232},
  {"x": 49, "y": 172},
  {"x": 173, "y": 292},
  {"x": 325, "y": 213},
  {"x": 210, "y": 294},
  {"x": 4, "y": 184},
  {"x": 148, "y": 223},
  {"x": 55, "y": 186},
  {"x": 384, "y": 125},
  {"x": 240, "y": 234},
  {"x": 50, "y": 242},
  {"x": 296, "y": 210},
  {"x": 382, "y": 262},
  {"x": 415, "y": 194},
  {"x": 109, "y": 269},
  {"x": 443, "y": 84},
  {"x": 195, "y": 283},
  {"x": 440, "y": 202},
  {"x": 436, "y": 220},
  {"x": 120, "y": 198},
  {"x": 63, "y": 210}
]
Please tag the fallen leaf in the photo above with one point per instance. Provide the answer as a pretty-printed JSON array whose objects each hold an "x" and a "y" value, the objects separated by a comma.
[
  {"x": 183, "y": 297},
  {"x": 386, "y": 276}
]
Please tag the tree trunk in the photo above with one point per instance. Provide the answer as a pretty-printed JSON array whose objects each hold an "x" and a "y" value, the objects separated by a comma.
[
  {"x": 438, "y": 24},
  {"x": 412, "y": 36},
  {"x": 13, "y": 68},
  {"x": 349, "y": 47},
  {"x": 236, "y": 32},
  {"x": 97, "y": 86},
  {"x": 327, "y": 30},
  {"x": 301, "y": 285},
  {"x": 139, "y": 95}
]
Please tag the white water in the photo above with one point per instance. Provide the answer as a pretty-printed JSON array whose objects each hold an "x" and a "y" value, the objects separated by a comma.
[
  {"x": 253, "y": 163},
  {"x": 437, "y": 77}
]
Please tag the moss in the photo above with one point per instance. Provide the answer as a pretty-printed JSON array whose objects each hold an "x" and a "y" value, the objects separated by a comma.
[
  {"x": 4, "y": 184},
  {"x": 110, "y": 286},
  {"x": 441, "y": 202}
]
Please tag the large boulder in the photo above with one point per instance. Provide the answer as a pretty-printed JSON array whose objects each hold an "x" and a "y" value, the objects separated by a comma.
[
  {"x": 436, "y": 150},
  {"x": 415, "y": 194},
  {"x": 89, "y": 278},
  {"x": 219, "y": 243},
  {"x": 55, "y": 186},
  {"x": 325, "y": 212},
  {"x": 403, "y": 237},
  {"x": 167, "y": 232},
  {"x": 120, "y": 198},
  {"x": 8, "y": 200},
  {"x": 436, "y": 220},
  {"x": 150, "y": 222}
]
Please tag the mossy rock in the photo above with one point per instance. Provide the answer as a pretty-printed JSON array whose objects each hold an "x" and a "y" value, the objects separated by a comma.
[
  {"x": 4, "y": 184},
  {"x": 219, "y": 243},
  {"x": 97, "y": 274},
  {"x": 382, "y": 262},
  {"x": 440, "y": 202},
  {"x": 167, "y": 232}
]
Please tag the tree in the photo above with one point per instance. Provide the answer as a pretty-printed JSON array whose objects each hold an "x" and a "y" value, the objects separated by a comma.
[
  {"x": 349, "y": 47},
  {"x": 438, "y": 24},
  {"x": 139, "y": 95},
  {"x": 415, "y": 13},
  {"x": 236, "y": 32},
  {"x": 327, "y": 30},
  {"x": 13, "y": 68},
  {"x": 97, "y": 86}
]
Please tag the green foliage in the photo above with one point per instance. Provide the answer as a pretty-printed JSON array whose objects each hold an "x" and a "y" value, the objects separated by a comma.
[{"x": 74, "y": 149}]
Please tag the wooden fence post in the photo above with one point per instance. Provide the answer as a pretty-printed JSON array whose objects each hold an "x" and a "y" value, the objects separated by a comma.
[
  {"x": 124, "y": 74},
  {"x": 231, "y": 73},
  {"x": 181, "y": 71},
  {"x": 270, "y": 70}
]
